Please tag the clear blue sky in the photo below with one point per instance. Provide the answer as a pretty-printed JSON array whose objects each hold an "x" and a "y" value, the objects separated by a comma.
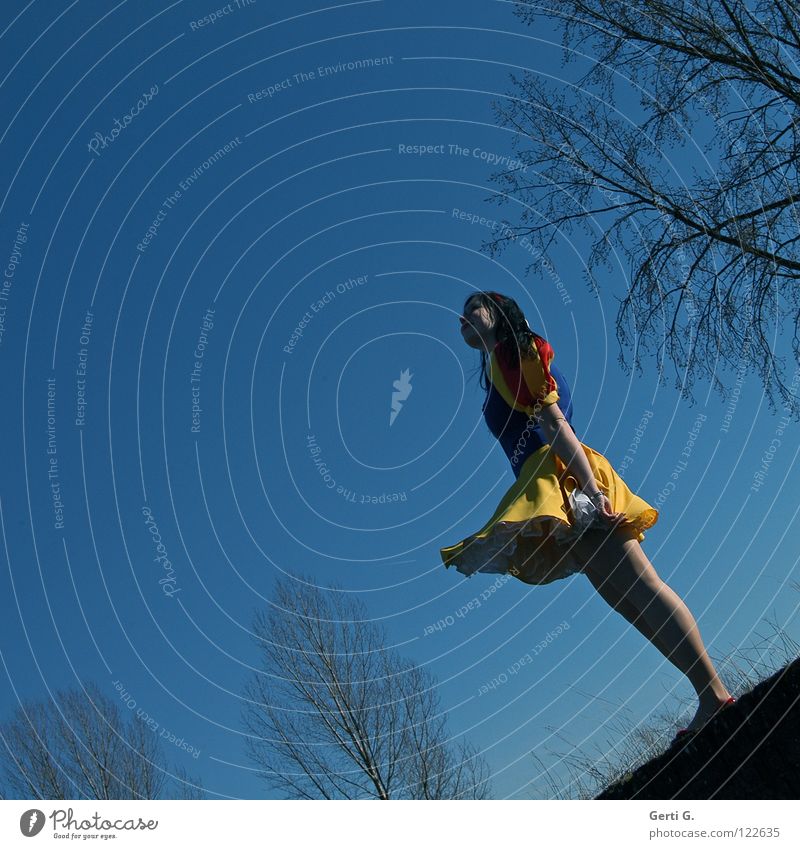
[{"x": 146, "y": 227}]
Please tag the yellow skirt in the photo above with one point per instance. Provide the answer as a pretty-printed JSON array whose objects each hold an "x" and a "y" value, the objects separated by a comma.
[{"x": 531, "y": 533}]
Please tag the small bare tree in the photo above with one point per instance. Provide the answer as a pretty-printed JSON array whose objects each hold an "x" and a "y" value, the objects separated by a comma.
[
  {"x": 712, "y": 238},
  {"x": 335, "y": 714},
  {"x": 79, "y": 747}
]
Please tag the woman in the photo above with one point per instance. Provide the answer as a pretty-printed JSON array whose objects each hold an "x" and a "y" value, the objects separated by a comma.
[{"x": 568, "y": 511}]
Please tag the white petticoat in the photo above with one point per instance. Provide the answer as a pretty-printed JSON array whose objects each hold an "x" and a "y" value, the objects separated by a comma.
[{"x": 493, "y": 555}]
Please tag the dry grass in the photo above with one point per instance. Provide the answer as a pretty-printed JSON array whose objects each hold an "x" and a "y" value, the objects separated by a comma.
[{"x": 577, "y": 773}]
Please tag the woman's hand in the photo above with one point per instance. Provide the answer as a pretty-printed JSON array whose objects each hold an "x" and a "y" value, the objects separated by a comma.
[{"x": 607, "y": 514}]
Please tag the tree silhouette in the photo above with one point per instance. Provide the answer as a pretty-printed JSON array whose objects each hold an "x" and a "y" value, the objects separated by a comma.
[
  {"x": 713, "y": 250},
  {"x": 336, "y": 714},
  {"x": 79, "y": 747}
]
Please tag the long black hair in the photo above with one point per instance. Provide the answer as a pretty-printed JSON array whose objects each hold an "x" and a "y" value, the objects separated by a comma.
[{"x": 511, "y": 328}]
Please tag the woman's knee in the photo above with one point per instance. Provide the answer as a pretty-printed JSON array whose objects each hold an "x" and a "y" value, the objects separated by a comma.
[
  {"x": 611, "y": 594},
  {"x": 637, "y": 573}
]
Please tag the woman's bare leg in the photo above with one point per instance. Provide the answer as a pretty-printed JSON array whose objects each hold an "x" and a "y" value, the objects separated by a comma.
[
  {"x": 620, "y": 570},
  {"x": 626, "y": 609}
]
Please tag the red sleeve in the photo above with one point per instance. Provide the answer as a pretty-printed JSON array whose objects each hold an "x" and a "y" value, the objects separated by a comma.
[{"x": 536, "y": 370}]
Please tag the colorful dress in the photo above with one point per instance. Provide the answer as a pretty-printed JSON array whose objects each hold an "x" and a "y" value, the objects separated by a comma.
[{"x": 531, "y": 533}]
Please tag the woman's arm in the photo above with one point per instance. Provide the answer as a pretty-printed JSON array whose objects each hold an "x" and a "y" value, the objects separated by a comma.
[
  {"x": 562, "y": 439},
  {"x": 559, "y": 434}
]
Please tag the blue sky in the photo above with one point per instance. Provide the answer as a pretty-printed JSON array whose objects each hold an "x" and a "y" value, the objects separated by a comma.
[{"x": 287, "y": 200}]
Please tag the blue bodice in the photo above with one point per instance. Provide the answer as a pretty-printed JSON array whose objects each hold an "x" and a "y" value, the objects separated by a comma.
[{"x": 509, "y": 425}]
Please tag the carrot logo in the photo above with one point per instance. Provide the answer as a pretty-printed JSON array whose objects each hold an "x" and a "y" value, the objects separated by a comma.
[
  {"x": 403, "y": 387},
  {"x": 31, "y": 822}
]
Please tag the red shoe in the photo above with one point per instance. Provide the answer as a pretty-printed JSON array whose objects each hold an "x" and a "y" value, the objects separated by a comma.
[{"x": 685, "y": 733}]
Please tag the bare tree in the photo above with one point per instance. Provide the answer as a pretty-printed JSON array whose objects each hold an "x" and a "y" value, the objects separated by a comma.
[
  {"x": 711, "y": 234},
  {"x": 336, "y": 714},
  {"x": 79, "y": 746}
]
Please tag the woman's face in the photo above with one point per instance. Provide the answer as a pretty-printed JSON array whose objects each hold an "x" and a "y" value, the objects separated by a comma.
[{"x": 477, "y": 327}]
